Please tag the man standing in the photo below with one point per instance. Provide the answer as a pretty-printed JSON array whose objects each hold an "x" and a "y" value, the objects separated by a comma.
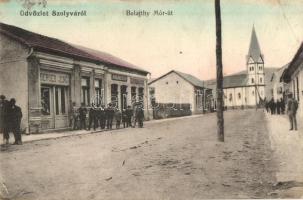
[
  {"x": 3, "y": 119},
  {"x": 292, "y": 106},
  {"x": 118, "y": 116},
  {"x": 129, "y": 114},
  {"x": 140, "y": 116},
  {"x": 92, "y": 117},
  {"x": 110, "y": 115},
  {"x": 14, "y": 114},
  {"x": 82, "y": 116}
]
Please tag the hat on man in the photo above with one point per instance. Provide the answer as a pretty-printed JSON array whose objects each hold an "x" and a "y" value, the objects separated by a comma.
[{"x": 2, "y": 97}]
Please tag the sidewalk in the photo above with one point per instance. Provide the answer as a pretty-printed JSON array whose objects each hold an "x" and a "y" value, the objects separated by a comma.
[
  {"x": 287, "y": 147},
  {"x": 54, "y": 135}
]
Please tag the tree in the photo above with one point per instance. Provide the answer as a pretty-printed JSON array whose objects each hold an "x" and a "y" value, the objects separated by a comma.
[{"x": 220, "y": 117}]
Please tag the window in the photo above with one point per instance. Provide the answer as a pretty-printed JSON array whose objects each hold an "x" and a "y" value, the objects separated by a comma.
[
  {"x": 133, "y": 94},
  {"x": 98, "y": 91},
  {"x": 60, "y": 100},
  {"x": 114, "y": 94},
  {"x": 252, "y": 68},
  {"x": 230, "y": 97},
  {"x": 261, "y": 79},
  {"x": 45, "y": 101},
  {"x": 239, "y": 95},
  {"x": 252, "y": 80},
  {"x": 141, "y": 95},
  {"x": 85, "y": 96},
  {"x": 253, "y": 93}
]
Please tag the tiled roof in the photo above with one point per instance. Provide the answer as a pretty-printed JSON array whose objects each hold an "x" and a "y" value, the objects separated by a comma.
[
  {"x": 293, "y": 65},
  {"x": 232, "y": 81},
  {"x": 45, "y": 43},
  {"x": 190, "y": 78}
]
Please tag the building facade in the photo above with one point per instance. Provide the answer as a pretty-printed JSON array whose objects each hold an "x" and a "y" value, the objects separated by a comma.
[
  {"x": 177, "y": 88},
  {"x": 47, "y": 75},
  {"x": 293, "y": 78}
]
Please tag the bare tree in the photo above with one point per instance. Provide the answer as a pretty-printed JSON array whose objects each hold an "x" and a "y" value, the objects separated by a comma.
[{"x": 220, "y": 117}]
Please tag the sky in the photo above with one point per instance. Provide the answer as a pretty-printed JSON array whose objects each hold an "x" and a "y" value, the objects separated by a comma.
[{"x": 185, "y": 41}]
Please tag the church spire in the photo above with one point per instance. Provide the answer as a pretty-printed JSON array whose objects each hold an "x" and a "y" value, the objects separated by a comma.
[{"x": 254, "y": 51}]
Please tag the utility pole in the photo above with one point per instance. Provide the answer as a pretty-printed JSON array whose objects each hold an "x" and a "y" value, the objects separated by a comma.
[{"x": 220, "y": 117}]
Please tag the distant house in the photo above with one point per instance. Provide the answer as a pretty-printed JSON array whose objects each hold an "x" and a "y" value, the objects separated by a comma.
[
  {"x": 278, "y": 87},
  {"x": 177, "y": 88},
  {"x": 293, "y": 76}
]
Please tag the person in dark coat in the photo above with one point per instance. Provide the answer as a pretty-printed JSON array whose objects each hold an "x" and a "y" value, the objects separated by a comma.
[
  {"x": 110, "y": 112},
  {"x": 124, "y": 118},
  {"x": 140, "y": 116},
  {"x": 292, "y": 107},
  {"x": 282, "y": 106},
  {"x": 102, "y": 117},
  {"x": 3, "y": 119},
  {"x": 82, "y": 116},
  {"x": 278, "y": 107},
  {"x": 92, "y": 117},
  {"x": 14, "y": 116},
  {"x": 129, "y": 114},
  {"x": 118, "y": 117}
]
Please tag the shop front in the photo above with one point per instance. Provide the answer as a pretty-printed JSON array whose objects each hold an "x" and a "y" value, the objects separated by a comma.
[{"x": 55, "y": 98}]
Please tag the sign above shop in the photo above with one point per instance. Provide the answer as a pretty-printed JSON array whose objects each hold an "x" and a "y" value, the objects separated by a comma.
[
  {"x": 54, "y": 78},
  {"x": 118, "y": 77},
  {"x": 137, "y": 81}
]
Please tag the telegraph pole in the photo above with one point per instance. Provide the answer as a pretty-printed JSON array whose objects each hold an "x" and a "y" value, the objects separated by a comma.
[{"x": 220, "y": 117}]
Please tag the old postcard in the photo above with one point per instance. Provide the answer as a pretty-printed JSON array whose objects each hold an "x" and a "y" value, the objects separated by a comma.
[{"x": 151, "y": 99}]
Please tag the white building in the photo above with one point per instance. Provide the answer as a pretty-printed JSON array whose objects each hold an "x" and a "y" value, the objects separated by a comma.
[
  {"x": 248, "y": 88},
  {"x": 177, "y": 87}
]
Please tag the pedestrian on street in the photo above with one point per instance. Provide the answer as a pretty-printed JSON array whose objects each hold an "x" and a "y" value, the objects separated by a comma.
[
  {"x": 118, "y": 116},
  {"x": 102, "y": 117},
  {"x": 92, "y": 117},
  {"x": 282, "y": 106},
  {"x": 124, "y": 118},
  {"x": 82, "y": 116},
  {"x": 140, "y": 116},
  {"x": 278, "y": 107},
  {"x": 14, "y": 116},
  {"x": 75, "y": 117},
  {"x": 110, "y": 115},
  {"x": 292, "y": 106},
  {"x": 129, "y": 114},
  {"x": 3, "y": 119}
]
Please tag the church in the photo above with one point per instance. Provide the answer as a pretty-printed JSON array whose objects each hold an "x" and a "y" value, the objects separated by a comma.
[{"x": 247, "y": 88}]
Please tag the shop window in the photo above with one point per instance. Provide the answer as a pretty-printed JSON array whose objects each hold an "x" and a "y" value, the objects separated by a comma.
[
  {"x": 60, "y": 100},
  {"x": 141, "y": 95},
  {"x": 133, "y": 94},
  {"x": 114, "y": 94},
  {"x": 45, "y": 100},
  {"x": 98, "y": 91},
  {"x": 85, "y": 96}
]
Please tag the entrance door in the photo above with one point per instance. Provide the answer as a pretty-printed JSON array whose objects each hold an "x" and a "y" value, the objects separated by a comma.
[
  {"x": 123, "y": 97},
  {"x": 61, "y": 106},
  {"x": 47, "y": 103}
]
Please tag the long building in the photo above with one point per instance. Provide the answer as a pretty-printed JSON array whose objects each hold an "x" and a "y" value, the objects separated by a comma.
[{"x": 46, "y": 75}]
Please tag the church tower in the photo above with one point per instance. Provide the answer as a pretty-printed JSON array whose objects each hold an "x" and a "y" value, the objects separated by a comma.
[{"x": 255, "y": 67}]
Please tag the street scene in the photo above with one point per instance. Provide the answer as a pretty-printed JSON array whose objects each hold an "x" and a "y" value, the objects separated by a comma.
[
  {"x": 151, "y": 100},
  {"x": 165, "y": 160}
]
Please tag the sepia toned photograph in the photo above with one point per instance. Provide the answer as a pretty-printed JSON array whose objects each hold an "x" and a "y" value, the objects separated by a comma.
[{"x": 151, "y": 99}]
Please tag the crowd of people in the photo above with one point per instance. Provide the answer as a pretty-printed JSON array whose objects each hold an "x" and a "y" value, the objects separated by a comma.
[
  {"x": 279, "y": 107},
  {"x": 10, "y": 120},
  {"x": 103, "y": 117},
  {"x": 275, "y": 107}
]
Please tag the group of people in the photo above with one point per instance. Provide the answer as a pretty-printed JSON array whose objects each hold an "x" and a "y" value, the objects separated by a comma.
[
  {"x": 103, "y": 117},
  {"x": 275, "y": 107},
  {"x": 279, "y": 108},
  {"x": 10, "y": 120}
]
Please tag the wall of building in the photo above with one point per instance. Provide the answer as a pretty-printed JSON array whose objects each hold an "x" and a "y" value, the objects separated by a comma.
[
  {"x": 14, "y": 74},
  {"x": 173, "y": 89}
]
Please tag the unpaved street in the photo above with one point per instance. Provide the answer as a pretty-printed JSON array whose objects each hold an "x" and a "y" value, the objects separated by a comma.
[{"x": 177, "y": 159}]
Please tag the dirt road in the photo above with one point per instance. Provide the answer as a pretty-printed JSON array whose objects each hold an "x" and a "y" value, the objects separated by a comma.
[{"x": 178, "y": 159}]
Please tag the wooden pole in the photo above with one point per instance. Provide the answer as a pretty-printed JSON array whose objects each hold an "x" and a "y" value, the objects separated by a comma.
[{"x": 220, "y": 117}]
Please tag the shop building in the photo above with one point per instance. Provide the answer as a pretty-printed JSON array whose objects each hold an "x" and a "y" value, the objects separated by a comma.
[{"x": 47, "y": 75}]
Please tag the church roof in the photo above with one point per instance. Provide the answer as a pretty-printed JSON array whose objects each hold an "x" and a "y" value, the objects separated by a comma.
[
  {"x": 56, "y": 46},
  {"x": 232, "y": 81},
  {"x": 254, "y": 51}
]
